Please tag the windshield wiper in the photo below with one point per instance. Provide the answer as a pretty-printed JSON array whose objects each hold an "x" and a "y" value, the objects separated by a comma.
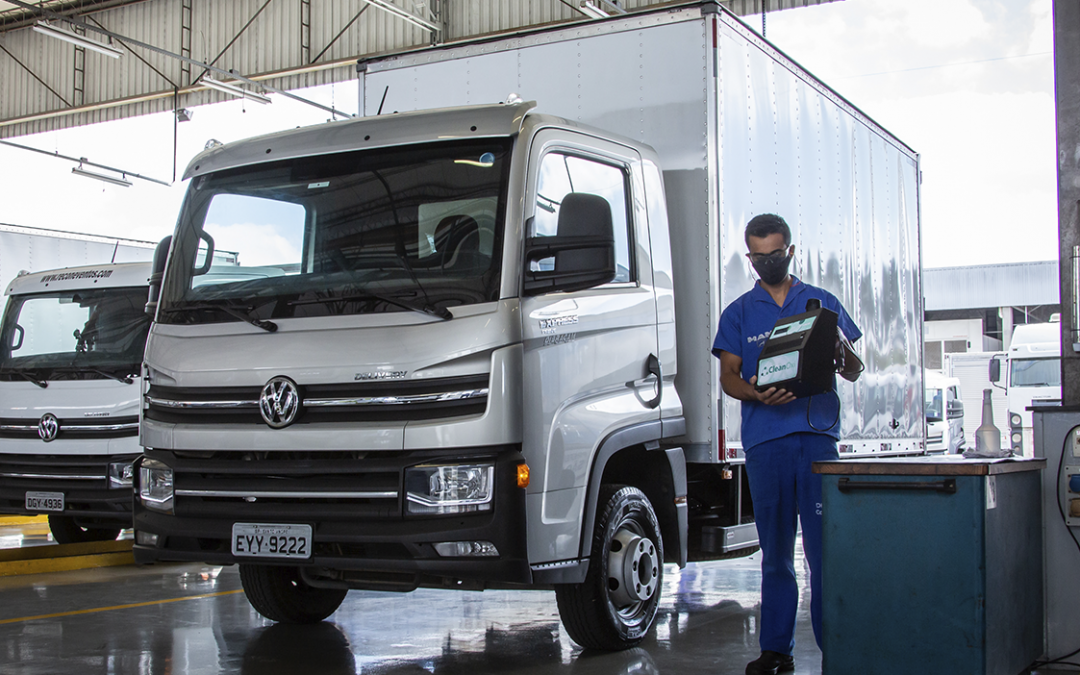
[
  {"x": 399, "y": 249},
  {"x": 268, "y": 326},
  {"x": 126, "y": 379},
  {"x": 439, "y": 312},
  {"x": 26, "y": 376}
]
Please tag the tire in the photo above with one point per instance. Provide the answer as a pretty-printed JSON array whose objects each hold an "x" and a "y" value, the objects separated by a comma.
[
  {"x": 616, "y": 605},
  {"x": 279, "y": 594},
  {"x": 66, "y": 531}
]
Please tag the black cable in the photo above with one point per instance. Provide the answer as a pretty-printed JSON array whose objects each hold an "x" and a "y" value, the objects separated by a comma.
[{"x": 835, "y": 421}]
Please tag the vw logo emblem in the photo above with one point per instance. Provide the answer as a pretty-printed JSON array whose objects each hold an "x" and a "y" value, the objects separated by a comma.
[
  {"x": 279, "y": 402},
  {"x": 48, "y": 427}
]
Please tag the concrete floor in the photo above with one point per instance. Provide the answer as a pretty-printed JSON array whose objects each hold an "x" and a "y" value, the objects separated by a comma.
[{"x": 193, "y": 620}]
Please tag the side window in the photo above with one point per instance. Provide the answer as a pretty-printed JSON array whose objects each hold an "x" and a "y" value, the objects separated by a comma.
[{"x": 562, "y": 174}]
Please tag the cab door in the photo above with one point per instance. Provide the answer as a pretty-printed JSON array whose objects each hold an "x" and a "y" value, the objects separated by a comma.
[{"x": 587, "y": 353}]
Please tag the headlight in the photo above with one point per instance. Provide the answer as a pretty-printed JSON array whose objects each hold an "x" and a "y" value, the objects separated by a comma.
[
  {"x": 462, "y": 488},
  {"x": 120, "y": 474},
  {"x": 156, "y": 485}
]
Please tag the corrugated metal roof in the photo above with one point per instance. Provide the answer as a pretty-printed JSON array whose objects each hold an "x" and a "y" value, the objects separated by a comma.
[
  {"x": 981, "y": 286},
  {"x": 45, "y": 84}
]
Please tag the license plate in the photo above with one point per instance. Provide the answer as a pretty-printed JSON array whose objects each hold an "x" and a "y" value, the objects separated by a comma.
[
  {"x": 254, "y": 540},
  {"x": 45, "y": 501}
]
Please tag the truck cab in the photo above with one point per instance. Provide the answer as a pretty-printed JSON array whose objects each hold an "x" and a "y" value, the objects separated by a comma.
[
  {"x": 944, "y": 414},
  {"x": 1032, "y": 377},
  {"x": 71, "y": 348}
]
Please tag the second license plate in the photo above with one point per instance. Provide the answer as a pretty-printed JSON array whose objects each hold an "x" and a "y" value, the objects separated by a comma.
[
  {"x": 259, "y": 540},
  {"x": 45, "y": 501}
]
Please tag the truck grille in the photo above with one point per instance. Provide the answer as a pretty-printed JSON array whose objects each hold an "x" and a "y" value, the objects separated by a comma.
[
  {"x": 352, "y": 402},
  {"x": 286, "y": 486},
  {"x": 82, "y": 478},
  {"x": 111, "y": 427}
]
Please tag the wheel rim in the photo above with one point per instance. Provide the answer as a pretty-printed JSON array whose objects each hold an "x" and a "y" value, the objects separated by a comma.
[{"x": 633, "y": 572}]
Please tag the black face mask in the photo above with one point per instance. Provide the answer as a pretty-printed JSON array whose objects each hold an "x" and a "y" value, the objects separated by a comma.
[{"x": 772, "y": 268}]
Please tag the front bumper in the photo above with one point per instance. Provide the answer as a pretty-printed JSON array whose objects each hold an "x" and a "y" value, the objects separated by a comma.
[
  {"x": 354, "y": 536},
  {"x": 83, "y": 480}
]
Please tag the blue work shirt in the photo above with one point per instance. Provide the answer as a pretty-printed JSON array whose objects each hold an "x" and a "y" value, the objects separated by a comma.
[{"x": 745, "y": 325}]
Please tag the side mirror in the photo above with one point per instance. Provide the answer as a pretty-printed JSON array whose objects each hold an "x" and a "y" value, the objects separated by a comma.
[
  {"x": 157, "y": 273},
  {"x": 580, "y": 256},
  {"x": 19, "y": 332},
  {"x": 956, "y": 409},
  {"x": 209, "y": 260},
  {"x": 995, "y": 369}
]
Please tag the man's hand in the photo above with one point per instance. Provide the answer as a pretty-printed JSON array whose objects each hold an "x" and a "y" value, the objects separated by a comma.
[
  {"x": 772, "y": 395},
  {"x": 734, "y": 386}
]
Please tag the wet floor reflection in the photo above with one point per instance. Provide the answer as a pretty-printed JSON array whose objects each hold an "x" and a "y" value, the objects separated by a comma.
[
  {"x": 707, "y": 623},
  {"x": 22, "y": 535}
]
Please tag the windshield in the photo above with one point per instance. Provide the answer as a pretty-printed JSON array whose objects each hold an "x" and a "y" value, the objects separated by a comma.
[
  {"x": 67, "y": 334},
  {"x": 934, "y": 409},
  {"x": 1035, "y": 373},
  {"x": 376, "y": 231}
]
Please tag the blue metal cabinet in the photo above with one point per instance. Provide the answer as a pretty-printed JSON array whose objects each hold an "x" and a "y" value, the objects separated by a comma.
[{"x": 931, "y": 565}]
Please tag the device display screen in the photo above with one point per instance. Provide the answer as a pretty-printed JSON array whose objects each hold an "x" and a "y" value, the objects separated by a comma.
[{"x": 794, "y": 327}]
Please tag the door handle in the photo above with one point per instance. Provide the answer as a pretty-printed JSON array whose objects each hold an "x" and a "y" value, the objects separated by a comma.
[{"x": 652, "y": 364}]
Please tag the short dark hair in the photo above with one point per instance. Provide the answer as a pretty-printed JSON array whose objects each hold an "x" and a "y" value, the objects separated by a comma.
[{"x": 765, "y": 224}]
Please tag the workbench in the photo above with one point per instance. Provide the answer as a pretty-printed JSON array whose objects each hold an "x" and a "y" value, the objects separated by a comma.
[{"x": 931, "y": 565}]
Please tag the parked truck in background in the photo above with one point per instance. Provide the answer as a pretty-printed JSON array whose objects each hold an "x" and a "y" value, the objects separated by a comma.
[
  {"x": 474, "y": 348},
  {"x": 944, "y": 414},
  {"x": 972, "y": 371},
  {"x": 71, "y": 346},
  {"x": 1032, "y": 377}
]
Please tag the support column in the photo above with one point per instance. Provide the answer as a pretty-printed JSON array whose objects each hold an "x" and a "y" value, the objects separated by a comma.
[
  {"x": 1067, "y": 94},
  {"x": 1006, "y": 329}
]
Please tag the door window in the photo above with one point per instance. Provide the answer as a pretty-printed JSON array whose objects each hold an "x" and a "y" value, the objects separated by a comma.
[{"x": 562, "y": 174}]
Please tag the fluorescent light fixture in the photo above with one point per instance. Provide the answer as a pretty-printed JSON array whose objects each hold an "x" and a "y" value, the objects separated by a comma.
[
  {"x": 390, "y": 7},
  {"x": 235, "y": 90},
  {"x": 76, "y": 39},
  {"x": 589, "y": 9},
  {"x": 612, "y": 6},
  {"x": 122, "y": 181}
]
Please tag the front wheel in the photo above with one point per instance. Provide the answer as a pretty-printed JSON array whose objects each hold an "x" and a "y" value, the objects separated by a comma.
[
  {"x": 280, "y": 594},
  {"x": 615, "y": 606},
  {"x": 66, "y": 531}
]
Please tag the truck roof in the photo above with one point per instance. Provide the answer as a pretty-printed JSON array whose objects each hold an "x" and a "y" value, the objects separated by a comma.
[
  {"x": 1036, "y": 340},
  {"x": 935, "y": 380},
  {"x": 112, "y": 275},
  {"x": 362, "y": 133}
]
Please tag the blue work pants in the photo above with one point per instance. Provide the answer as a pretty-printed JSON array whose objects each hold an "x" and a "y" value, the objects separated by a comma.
[{"x": 782, "y": 488}]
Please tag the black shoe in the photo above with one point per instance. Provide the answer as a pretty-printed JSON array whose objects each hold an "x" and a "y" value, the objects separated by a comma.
[{"x": 771, "y": 663}]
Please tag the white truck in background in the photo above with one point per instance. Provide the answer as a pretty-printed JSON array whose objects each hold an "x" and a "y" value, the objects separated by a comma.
[
  {"x": 473, "y": 350},
  {"x": 972, "y": 371},
  {"x": 1032, "y": 377},
  {"x": 71, "y": 346},
  {"x": 944, "y": 414}
]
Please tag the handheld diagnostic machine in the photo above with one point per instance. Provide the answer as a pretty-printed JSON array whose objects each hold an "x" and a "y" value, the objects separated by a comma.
[{"x": 800, "y": 354}]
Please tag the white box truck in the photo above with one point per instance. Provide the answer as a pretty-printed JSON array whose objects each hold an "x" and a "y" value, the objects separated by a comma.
[
  {"x": 474, "y": 351},
  {"x": 972, "y": 370},
  {"x": 71, "y": 346}
]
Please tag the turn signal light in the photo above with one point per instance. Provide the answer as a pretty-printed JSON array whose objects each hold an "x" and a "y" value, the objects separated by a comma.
[{"x": 523, "y": 475}]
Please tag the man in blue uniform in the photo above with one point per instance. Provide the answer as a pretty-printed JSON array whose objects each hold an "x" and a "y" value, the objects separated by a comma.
[{"x": 781, "y": 437}]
